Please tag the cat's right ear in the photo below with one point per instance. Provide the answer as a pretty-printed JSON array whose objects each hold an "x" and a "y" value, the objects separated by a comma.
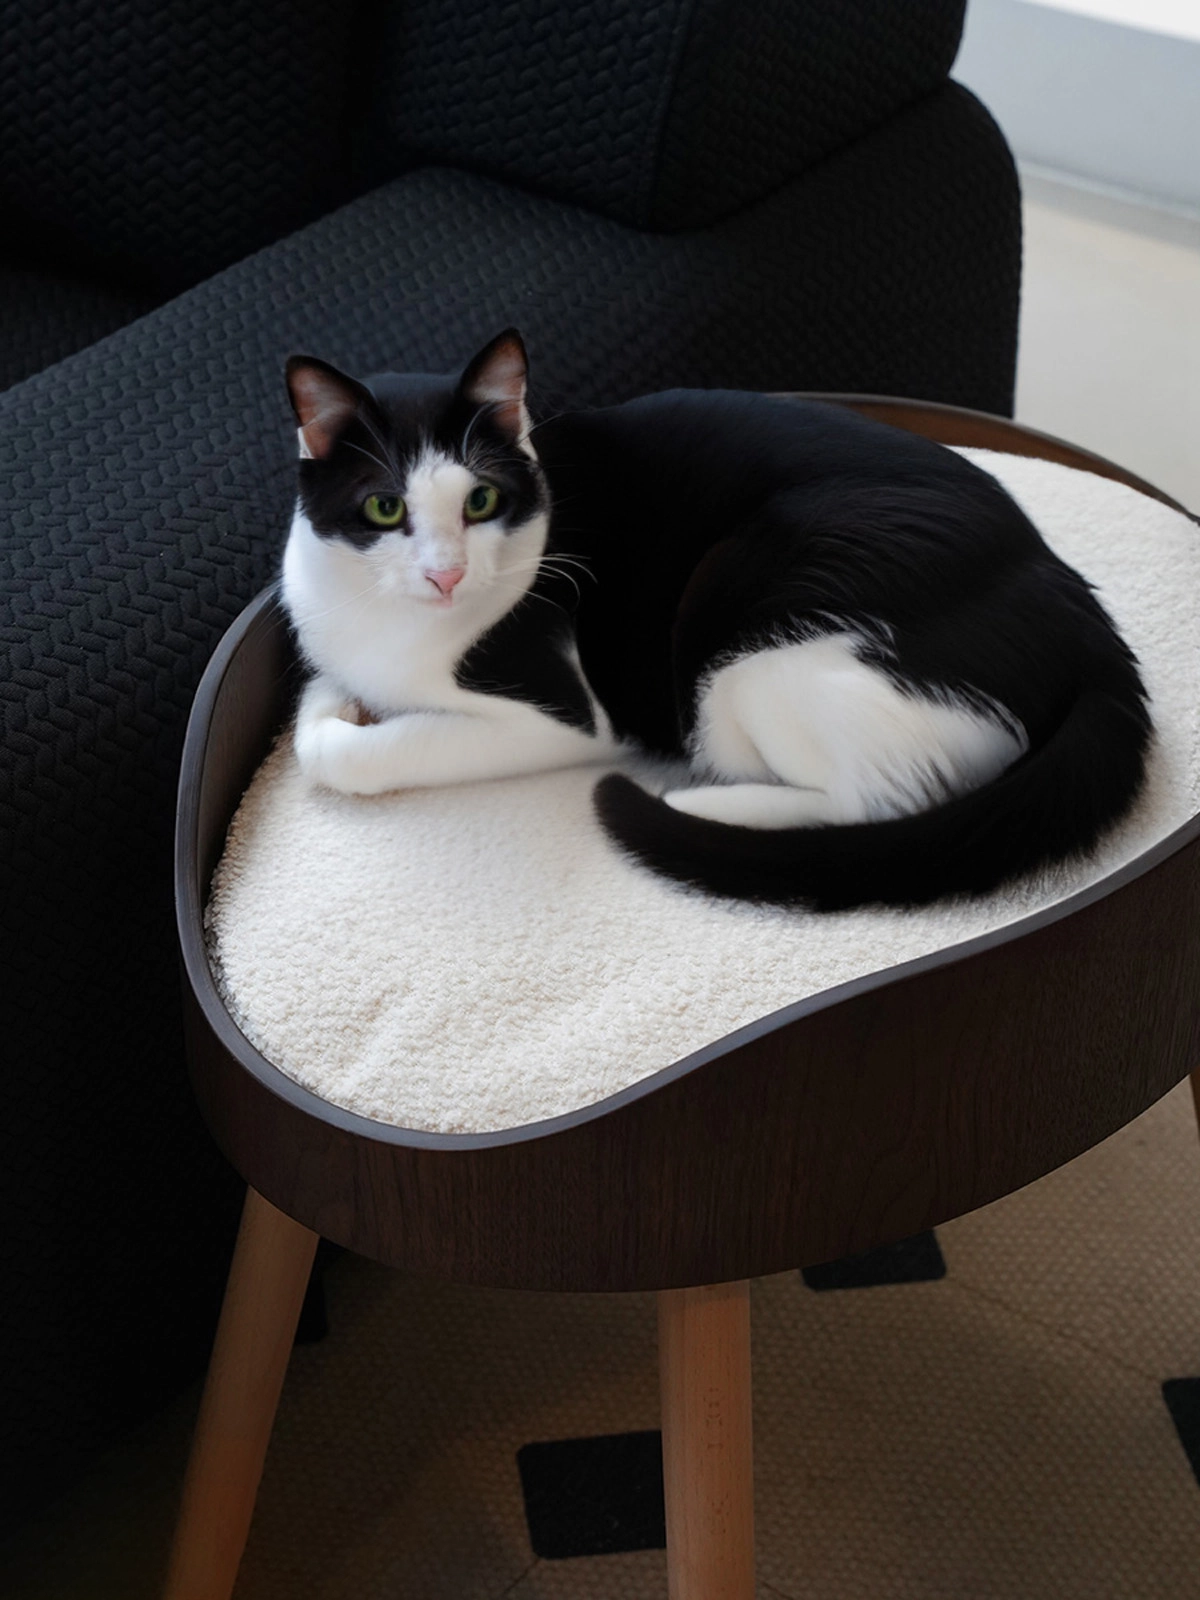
[
  {"x": 496, "y": 378},
  {"x": 324, "y": 401}
]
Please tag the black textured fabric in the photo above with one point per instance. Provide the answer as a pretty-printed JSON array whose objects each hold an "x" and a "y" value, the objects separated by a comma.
[
  {"x": 663, "y": 115},
  {"x": 768, "y": 89},
  {"x": 46, "y": 315},
  {"x": 513, "y": 89},
  {"x": 145, "y": 486},
  {"x": 162, "y": 138}
]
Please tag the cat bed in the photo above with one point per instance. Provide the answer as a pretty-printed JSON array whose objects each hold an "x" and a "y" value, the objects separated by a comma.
[{"x": 478, "y": 957}]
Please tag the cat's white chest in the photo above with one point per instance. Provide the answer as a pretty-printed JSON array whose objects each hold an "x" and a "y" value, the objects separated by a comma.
[
  {"x": 369, "y": 637},
  {"x": 390, "y": 665}
]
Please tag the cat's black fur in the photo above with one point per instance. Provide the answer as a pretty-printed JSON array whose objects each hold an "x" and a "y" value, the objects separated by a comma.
[
  {"x": 713, "y": 522},
  {"x": 716, "y": 521}
]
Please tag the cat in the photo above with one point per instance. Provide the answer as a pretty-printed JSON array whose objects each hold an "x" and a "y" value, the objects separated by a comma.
[{"x": 887, "y": 688}]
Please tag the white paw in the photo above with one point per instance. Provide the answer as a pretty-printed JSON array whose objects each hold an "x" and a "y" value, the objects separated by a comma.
[{"x": 325, "y": 750}]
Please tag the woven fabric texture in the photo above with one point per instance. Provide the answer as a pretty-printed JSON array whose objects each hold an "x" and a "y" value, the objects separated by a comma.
[
  {"x": 160, "y": 142},
  {"x": 146, "y": 485},
  {"x": 165, "y": 139},
  {"x": 669, "y": 115},
  {"x": 46, "y": 315},
  {"x": 782, "y": 85}
]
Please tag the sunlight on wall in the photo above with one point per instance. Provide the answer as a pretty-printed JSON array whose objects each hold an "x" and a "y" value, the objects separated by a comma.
[{"x": 1178, "y": 17}]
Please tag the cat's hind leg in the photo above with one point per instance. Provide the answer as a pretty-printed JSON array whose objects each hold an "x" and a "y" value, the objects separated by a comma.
[
  {"x": 727, "y": 743},
  {"x": 837, "y": 738}
]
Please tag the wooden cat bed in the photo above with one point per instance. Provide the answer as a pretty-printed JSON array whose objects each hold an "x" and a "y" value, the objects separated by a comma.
[{"x": 690, "y": 1093}]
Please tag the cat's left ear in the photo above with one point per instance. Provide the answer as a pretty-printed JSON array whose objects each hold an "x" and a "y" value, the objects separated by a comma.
[{"x": 496, "y": 378}]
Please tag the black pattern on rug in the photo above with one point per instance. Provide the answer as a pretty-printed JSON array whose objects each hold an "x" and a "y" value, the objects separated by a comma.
[
  {"x": 918, "y": 1259},
  {"x": 1182, "y": 1396},
  {"x": 594, "y": 1497}
]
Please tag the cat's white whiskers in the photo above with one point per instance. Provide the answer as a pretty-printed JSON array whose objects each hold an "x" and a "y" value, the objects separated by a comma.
[
  {"x": 532, "y": 594},
  {"x": 548, "y": 564},
  {"x": 488, "y": 457},
  {"x": 382, "y": 465},
  {"x": 385, "y": 446},
  {"x": 466, "y": 438},
  {"x": 545, "y": 421},
  {"x": 519, "y": 569},
  {"x": 556, "y": 560},
  {"x": 363, "y": 594},
  {"x": 530, "y": 568}
]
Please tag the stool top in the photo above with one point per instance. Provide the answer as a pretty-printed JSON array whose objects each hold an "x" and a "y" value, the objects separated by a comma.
[
  {"x": 479, "y": 956},
  {"x": 477, "y": 970}
]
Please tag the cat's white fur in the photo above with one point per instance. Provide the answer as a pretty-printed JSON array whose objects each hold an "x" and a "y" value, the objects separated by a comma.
[
  {"x": 381, "y": 633},
  {"x": 795, "y": 734},
  {"x": 809, "y": 733}
]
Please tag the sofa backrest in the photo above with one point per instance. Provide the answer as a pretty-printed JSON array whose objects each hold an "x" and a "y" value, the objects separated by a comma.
[
  {"x": 664, "y": 115},
  {"x": 157, "y": 140}
]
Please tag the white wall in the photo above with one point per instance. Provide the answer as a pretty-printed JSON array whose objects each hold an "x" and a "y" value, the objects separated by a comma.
[{"x": 1100, "y": 100}]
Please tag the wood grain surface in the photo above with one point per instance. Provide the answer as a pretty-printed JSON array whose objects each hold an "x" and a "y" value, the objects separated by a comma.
[
  {"x": 267, "y": 1280},
  {"x": 707, "y": 1441}
]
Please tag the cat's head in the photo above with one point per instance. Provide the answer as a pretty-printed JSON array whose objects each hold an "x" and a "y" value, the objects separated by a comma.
[{"x": 428, "y": 483}]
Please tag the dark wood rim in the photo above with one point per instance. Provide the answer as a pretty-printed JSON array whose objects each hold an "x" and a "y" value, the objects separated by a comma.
[
  {"x": 974, "y": 428},
  {"x": 958, "y": 425}
]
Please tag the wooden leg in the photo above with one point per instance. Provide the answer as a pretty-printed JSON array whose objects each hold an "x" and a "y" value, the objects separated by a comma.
[
  {"x": 267, "y": 1280},
  {"x": 708, "y": 1469},
  {"x": 1196, "y": 1091}
]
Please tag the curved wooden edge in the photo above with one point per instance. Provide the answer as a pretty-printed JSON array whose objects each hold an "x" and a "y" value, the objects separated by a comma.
[
  {"x": 865, "y": 1122},
  {"x": 980, "y": 430}
]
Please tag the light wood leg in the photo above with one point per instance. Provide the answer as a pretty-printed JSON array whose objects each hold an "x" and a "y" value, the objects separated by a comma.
[
  {"x": 708, "y": 1468},
  {"x": 267, "y": 1280}
]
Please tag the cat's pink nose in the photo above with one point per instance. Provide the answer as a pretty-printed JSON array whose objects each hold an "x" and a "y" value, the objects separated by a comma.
[{"x": 447, "y": 578}]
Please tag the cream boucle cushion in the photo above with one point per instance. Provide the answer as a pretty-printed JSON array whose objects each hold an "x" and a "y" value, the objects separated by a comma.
[{"x": 479, "y": 957}]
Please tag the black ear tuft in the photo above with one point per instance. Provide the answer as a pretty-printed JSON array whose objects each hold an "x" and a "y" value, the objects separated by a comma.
[
  {"x": 496, "y": 377},
  {"x": 324, "y": 401}
]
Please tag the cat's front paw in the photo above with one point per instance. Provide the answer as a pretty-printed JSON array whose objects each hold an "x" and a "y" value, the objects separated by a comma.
[
  {"x": 333, "y": 739},
  {"x": 333, "y": 752}
]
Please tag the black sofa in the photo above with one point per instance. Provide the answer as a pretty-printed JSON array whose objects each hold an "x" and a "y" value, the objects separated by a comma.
[{"x": 779, "y": 194}]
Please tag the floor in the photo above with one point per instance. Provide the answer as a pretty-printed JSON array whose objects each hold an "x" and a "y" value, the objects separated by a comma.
[
  {"x": 979, "y": 1415},
  {"x": 1006, "y": 1410}
]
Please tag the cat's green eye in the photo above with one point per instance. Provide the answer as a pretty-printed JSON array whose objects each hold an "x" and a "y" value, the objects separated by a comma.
[
  {"x": 384, "y": 510},
  {"x": 482, "y": 502}
]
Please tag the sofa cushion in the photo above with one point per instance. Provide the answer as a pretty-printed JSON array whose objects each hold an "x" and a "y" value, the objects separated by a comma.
[
  {"x": 161, "y": 139},
  {"x": 45, "y": 314},
  {"x": 665, "y": 116}
]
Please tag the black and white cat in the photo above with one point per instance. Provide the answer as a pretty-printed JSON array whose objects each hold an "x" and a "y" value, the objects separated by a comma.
[{"x": 886, "y": 685}]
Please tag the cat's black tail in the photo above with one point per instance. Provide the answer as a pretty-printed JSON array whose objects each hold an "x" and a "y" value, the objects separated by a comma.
[{"x": 1052, "y": 804}]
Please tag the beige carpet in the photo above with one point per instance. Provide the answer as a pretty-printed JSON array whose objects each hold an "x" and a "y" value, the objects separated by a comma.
[{"x": 998, "y": 1434}]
